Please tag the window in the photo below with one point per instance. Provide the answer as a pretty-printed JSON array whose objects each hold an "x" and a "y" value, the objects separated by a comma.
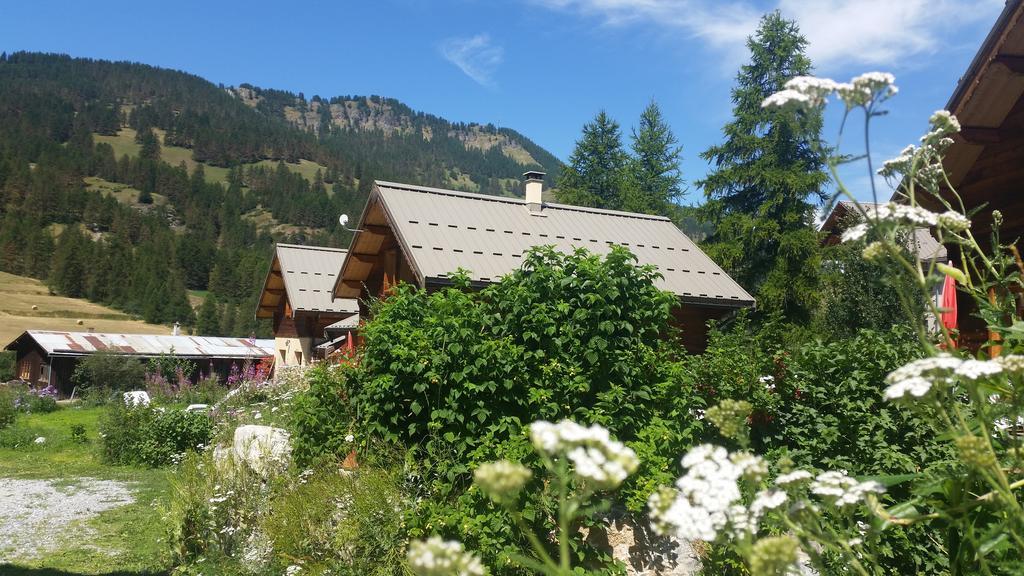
[
  {"x": 284, "y": 356},
  {"x": 25, "y": 371},
  {"x": 298, "y": 357}
]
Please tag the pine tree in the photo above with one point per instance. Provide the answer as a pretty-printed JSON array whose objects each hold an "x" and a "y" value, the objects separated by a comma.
[
  {"x": 150, "y": 145},
  {"x": 208, "y": 317},
  {"x": 766, "y": 177},
  {"x": 596, "y": 171},
  {"x": 71, "y": 263},
  {"x": 655, "y": 182}
]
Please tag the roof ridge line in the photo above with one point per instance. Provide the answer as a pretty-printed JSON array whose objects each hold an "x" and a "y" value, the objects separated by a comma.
[
  {"x": 520, "y": 201},
  {"x": 308, "y": 247}
]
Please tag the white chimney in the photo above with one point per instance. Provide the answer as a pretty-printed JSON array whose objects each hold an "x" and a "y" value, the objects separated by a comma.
[
  {"x": 177, "y": 330},
  {"x": 534, "y": 184}
]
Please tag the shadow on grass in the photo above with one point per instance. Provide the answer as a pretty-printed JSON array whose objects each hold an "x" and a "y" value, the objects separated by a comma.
[{"x": 15, "y": 570}]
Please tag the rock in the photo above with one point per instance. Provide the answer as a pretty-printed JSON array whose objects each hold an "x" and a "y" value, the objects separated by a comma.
[
  {"x": 197, "y": 408},
  {"x": 644, "y": 553},
  {"x": 136, "y": 398},
  {"x": 263, "y": 448}
]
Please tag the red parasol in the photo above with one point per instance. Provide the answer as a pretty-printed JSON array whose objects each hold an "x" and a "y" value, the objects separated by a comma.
[{"x": 948, "y": 315}]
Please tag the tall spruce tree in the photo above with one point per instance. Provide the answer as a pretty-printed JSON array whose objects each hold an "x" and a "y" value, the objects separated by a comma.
[
  {"x": 596, "y": 171},
  {"x": 655, "y": 182},
  {"x": 767, "y": 176}
]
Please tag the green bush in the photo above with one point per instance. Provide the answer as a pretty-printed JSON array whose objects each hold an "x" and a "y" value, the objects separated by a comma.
[
  {"x": 7, "y": 365},
  {"x": 151, "y": 436},
  {"x": 103, "y": 372},
  {"x": 456, "y": 374},
  {"x": 8, "y": 410}
]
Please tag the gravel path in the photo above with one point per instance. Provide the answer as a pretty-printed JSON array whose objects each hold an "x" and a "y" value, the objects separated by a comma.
[{"x": 35, "y": 515}]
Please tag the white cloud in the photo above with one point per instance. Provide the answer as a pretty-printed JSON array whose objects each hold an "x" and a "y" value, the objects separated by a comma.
[
  {"x": 842, "y": 34},
  {"x": 476, "y": 56}
]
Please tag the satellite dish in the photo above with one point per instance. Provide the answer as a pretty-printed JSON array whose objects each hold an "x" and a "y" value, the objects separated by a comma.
[{"x": 343, "y": 220}]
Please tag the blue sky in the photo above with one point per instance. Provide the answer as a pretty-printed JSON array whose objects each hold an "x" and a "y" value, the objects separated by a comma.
[{"x": 543, "y": 67}]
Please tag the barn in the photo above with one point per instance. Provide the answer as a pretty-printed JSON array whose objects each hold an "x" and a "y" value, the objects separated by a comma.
[{"x": 45, "y": 357}]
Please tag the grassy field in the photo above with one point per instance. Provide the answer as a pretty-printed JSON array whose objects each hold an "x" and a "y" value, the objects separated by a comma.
[
  {"x": 19, "y": 294},
  {"x": 128, "y": 540},
  {"x": 124, "y": 143},
  {"x": 123, "y": 193}
]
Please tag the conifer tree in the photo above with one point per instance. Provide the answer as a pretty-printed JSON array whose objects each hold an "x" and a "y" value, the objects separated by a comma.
[
  {"x": 208, "y": 318},
  {"x": 766, "y": 177},
  {"x": 596, "y": 170},
  {"x": 655, "y": 182},
  {"x": 150, "y": 145}
]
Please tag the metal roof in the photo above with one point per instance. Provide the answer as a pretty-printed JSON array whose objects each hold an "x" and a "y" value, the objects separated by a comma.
[
  {"x": 308, "y": 273},
  {"x": 81, "y": 343},
  {"x": 444, "y": 230}
]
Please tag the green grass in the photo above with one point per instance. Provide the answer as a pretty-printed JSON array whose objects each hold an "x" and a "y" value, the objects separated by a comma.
[
  {"x": 135, "y": 533},
  {"x": 124, "y": 143},
  {"x": 26, "y": 304}
]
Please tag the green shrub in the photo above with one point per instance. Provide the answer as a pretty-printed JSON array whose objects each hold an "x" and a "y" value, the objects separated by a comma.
[
  {"x": 17, "y": 437},
  {"x": 108, "y": 372},
  {"x": 8, "y": 410},
  {"x": 456, "y": 374},
  {"x": 78, "y": 434},
  {"x": 7, "y": 365},
  {"x": 151, "y": 436}
]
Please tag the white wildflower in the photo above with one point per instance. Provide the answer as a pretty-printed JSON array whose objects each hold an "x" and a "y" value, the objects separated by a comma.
[
  {"x": 817, "y": 90},
  {"x": 855, "y": 232},
  {"x": 954, "y": 221},
  {"x": 292, "y": 570},
  {"x": 437, "y": 557},
  {"x": 597, "y": 458},
  {"x": 914, "y": 386},
  {"x": 785, "y": 98},
  {"x": 841, "y": 490},
  {"x": 707, "y": 499},
  {"x": 793, "y": 477},
  {"x": 767, "y": 500},
  {"x": 866, "y": 88},
  {"x": 900, "y": 164},
  {"x": 975, "y": 369},
  {"x": 873, "y": 251},
  {"x": 350, "y": 438},
  {"x": 768, "y": 381},
  {"x": 502, "y": 480},
  {"x": 1011, "y": 362}
]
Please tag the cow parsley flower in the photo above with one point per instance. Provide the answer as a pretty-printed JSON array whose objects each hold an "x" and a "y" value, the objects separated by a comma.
[
  {"x": 502, "y": 481},
  {"x": 914, "y": 386},
  {"x": 841, "y": 490},
  {"x": 817, "y": 90},
  {"x": 437, "y": 557},
  {"x": 598, "y": 459},
  {"x": 707, "y": 499},
  {"x": 793, "y": 477},
  {"x": 855, "y": 232},
  {"x": 866, "y": 88},
  {"x": 954, "y": 221},
  {"x": 785, "y": 98},
  {"x": 767, "y": 500},
  {"x": 975, "y": 369},
  {"x": 774, "y": 555},
  {"x": 1011, "y": 362},
  {"x": 900, "y": 164}
]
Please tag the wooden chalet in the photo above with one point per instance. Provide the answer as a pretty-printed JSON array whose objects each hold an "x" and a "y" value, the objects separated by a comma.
[
  {"x": 986, "y": 161},
  {"x": 421, "y": 235},
  {"x": 308, "y": 322}
]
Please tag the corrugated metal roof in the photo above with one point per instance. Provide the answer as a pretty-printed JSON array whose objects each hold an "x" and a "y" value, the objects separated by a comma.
[
  {"x": 79, "y": 343},
  {"x": 444, "y": 230},
  {"x": 309, "y": 273}
]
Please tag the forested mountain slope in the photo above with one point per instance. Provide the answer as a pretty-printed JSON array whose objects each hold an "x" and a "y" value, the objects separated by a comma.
[{"x": 131, "y": 185}]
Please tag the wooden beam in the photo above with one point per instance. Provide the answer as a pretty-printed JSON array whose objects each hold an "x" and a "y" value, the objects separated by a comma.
[
  {"x": 377, "y": 230},
  {"x": 275, "y": 291},
  {"x": 980, "y": 135},
  {"x": 1012, "y": 62},
  {"x": 370, "y": 259},
  {"x": 355, "y": 284}
]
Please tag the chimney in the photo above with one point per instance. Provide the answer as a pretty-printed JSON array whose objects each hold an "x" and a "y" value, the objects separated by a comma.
[
  {"x": 177, "y": 330},
  {"x": 533, "y": 182}
]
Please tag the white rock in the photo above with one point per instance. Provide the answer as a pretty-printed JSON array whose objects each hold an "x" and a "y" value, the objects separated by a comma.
[
  {"x": 136, "y": 398},
  {"x": 40, "y": 440},
  {"x": 262, "y": 447},
  {"x": 197, "y": 408}
]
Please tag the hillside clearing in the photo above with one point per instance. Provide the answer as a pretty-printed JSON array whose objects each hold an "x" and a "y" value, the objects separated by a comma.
[{"x": 19, "y": 294}]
